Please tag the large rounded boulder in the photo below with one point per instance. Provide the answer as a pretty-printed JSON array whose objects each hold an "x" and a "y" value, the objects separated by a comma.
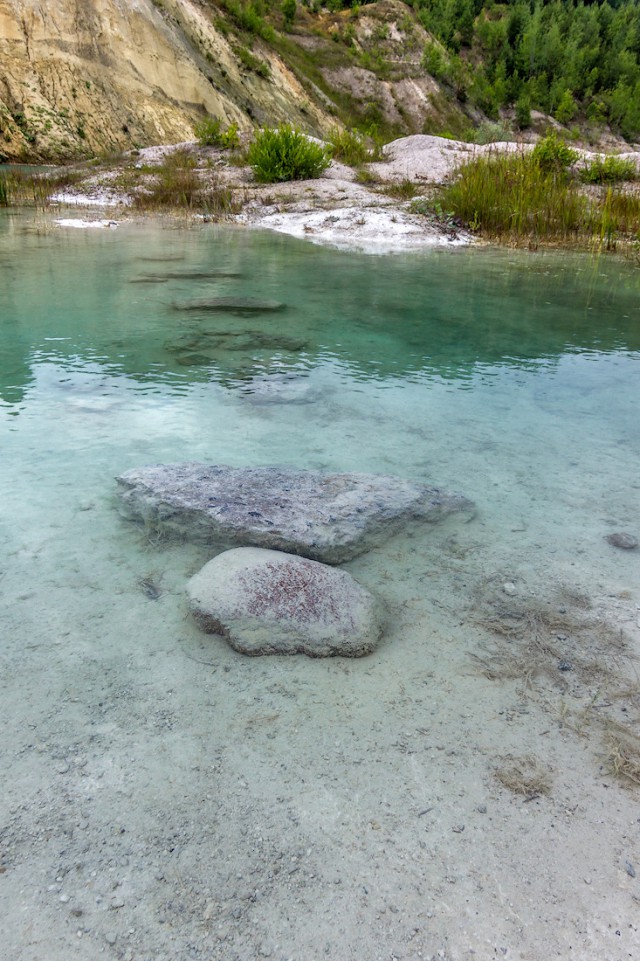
[{"x": 269, "y": 602}]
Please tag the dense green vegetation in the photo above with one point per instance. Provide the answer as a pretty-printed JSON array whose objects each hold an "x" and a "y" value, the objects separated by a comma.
[
  {"x": 578, "y": 60},
  {"x": 534, "y": 197},
  {"x": 570, "y": 58},
  {"x": 210, "y": 133},
  {"x": 285, "y": 153}
]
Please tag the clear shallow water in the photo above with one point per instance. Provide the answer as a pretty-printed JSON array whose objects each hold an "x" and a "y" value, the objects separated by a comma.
[{"x": 509, "y": 376}]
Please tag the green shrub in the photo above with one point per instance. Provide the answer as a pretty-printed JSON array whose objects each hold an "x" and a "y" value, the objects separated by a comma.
[
  {"x": 551, "y": 154},
  {"x": 251, "y": 62},
  {"x": 247, "y": 17},
  {"x": 609, "y": 170},
  {"x": 285, "y": 153},
  {"x": 210, "y": 134},
  {"x": 434, "y": 61},
  {"x": 567, "y": 108},
  {"x": 523, "y": 112},
  {"x": 349, "y": 146},
  {"x": 4, "y": 191},
  {"x": 492, "y": 131},
  {"x": 289, "y": 8}
]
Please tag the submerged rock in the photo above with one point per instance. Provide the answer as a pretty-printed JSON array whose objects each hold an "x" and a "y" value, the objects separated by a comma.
[
  {"x": 623, "y": 540},
  {"x": 185, "y": 275},
  {"x": 267, "y": 602},
  {"x": 202, "y": 347},
  {"x": 325, "y": 516},
  {"x": 244, "y": 305}
]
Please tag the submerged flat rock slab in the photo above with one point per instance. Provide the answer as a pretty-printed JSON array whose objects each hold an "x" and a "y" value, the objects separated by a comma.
[
  {"x": 325, "y": 516},
  {"x": 246, "y": 305},
  {"x": 267, "y": 602}
]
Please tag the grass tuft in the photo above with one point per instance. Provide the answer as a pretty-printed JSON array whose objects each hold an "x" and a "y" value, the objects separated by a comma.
[
  {"x": 211, "y": 134},
  {"x": 34, "y": 189},
  {"x": 524, "y": 198},
  {"x": 350, "y": 147},
  {"x": 177, "y": 184},
  {"x": 524, "y": 775},
  {"x": 609, "y": 170}
]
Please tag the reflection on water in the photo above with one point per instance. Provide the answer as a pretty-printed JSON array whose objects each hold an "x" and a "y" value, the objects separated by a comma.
[
  {"x": 105, "y": 298},
  {"x": 509, "y": 377}
]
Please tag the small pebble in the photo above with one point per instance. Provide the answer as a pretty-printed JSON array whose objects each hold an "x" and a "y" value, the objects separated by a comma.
[
  {"x": 509, "y": 588},
  {"x": 623, "y": 540},
  {"x": 481, "y": 809},
  {"x": 458, "y": 828},
  {"x": 64, "y": 898},
  {"x": 565, "y": 666},
  {"x": 631, "y": 871}
]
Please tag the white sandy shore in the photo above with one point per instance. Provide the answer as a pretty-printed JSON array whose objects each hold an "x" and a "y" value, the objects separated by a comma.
[{"x": 335, "y": 209}]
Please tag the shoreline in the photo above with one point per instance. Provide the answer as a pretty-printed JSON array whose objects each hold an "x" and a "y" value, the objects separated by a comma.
[{"x": 381, "y": 208}]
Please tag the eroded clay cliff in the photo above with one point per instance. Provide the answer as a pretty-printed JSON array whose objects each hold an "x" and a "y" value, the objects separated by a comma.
[{"x": 91, "y": 76}]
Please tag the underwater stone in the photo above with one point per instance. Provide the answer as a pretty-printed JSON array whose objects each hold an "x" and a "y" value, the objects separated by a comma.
[
  {"x": 246, "y": 305},
  {"x": 268, "y": 602},
  {"x": 621, "y": 539},
  {"x": 325, "y": 516}
]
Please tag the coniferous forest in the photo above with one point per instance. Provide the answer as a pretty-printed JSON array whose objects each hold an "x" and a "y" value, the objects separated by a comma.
[{"x": 573, "y": 59}]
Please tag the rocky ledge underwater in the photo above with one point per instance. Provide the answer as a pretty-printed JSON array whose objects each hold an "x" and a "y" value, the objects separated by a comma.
[{"x": 272, "y": 589}]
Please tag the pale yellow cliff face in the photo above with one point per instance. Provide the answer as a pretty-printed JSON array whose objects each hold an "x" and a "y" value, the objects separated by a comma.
[{"x": 97, "y": 75}]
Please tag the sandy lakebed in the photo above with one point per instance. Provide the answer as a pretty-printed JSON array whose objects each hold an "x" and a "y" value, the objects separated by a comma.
[{"x": 468, "y": 791}]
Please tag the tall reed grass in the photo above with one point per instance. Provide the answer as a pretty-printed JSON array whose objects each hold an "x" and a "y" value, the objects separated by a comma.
[
  {"x": 512, "y": 198},
  {"x": 33, "y": 189},
  {"x": 177, "y": 184}
]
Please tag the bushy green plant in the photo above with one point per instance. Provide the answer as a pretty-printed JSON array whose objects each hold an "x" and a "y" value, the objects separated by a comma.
[
  {"x": 492, "y": 131},
  {"x": 289, "y": 8},
  {"x": 251, "y": 62},
  {"x": 247, "y": 17},
  {"x": 567, "y": 108},
  {"x": 523, "y": 112},
  {"x": 551, "y": 154},
  {"x": 349, "y": 146},
  {"x": 210, "y": 134},
  {"x": 285, "y": 153},
  {"x": 609, "y": 170},
  {"x": 434, "y": 61}
]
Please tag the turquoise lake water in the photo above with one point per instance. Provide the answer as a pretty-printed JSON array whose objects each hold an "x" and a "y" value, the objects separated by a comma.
[
  {"x": 511, "y": 377},
  {"x": 399, "y": 363}
]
